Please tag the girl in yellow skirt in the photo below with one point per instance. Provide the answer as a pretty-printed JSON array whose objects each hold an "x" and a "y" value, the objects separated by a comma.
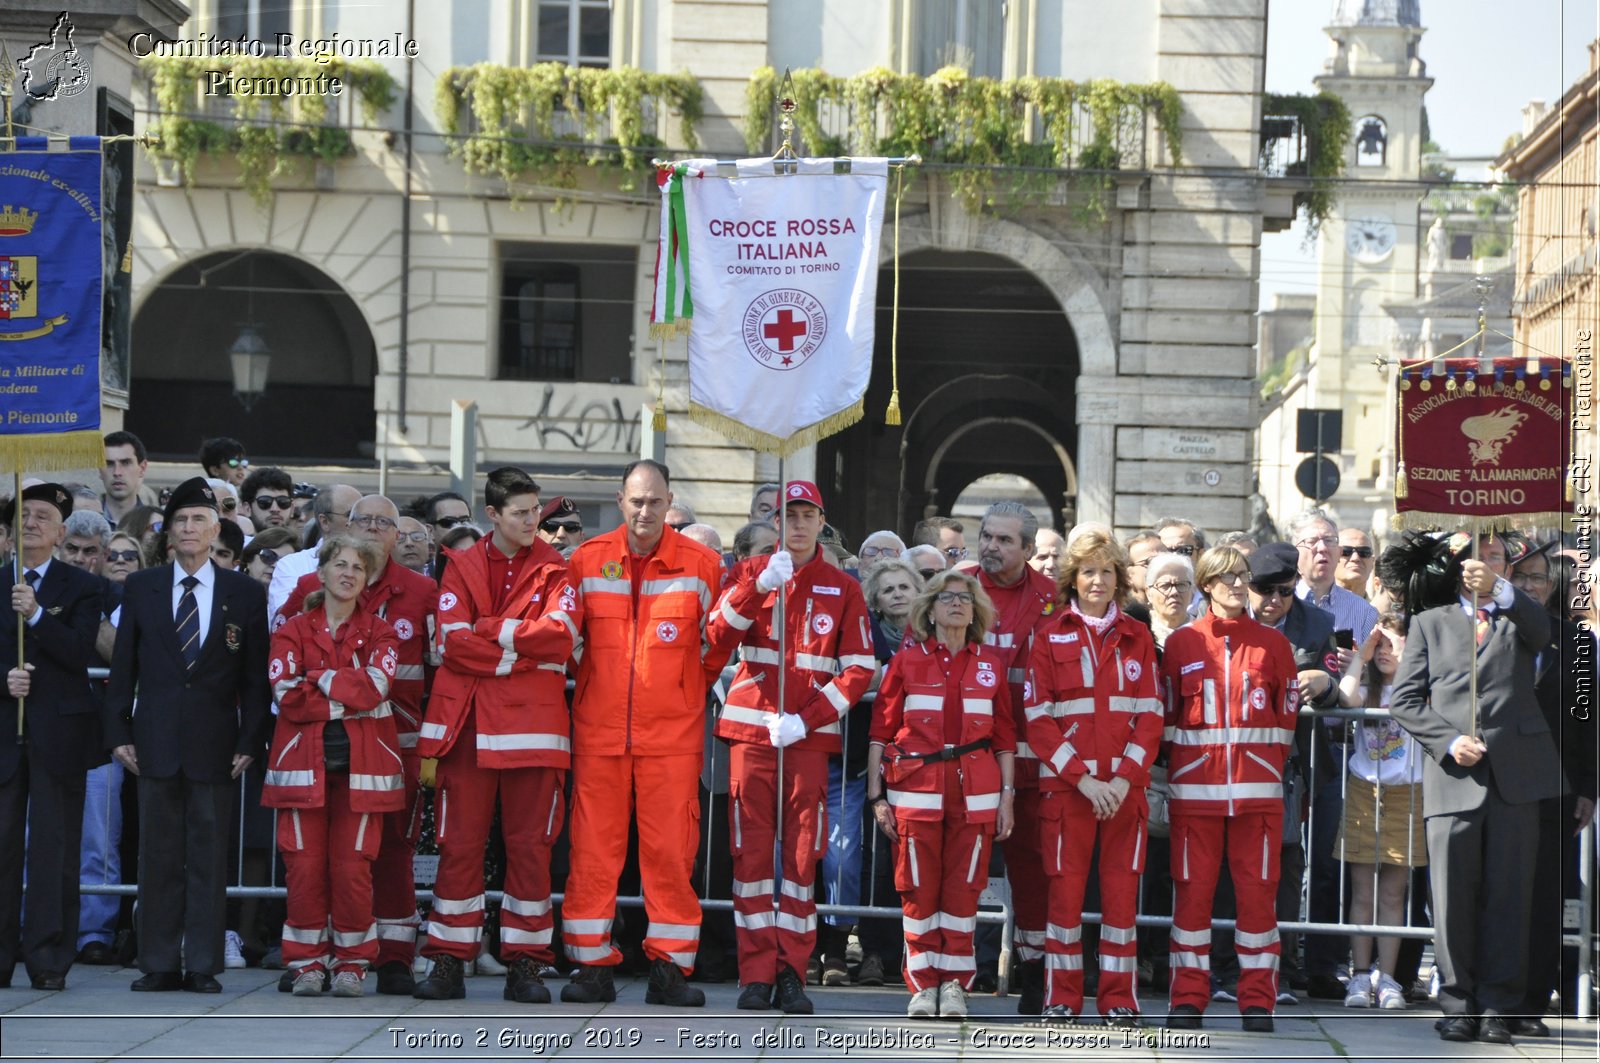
[{"x": 1382, "y": 837}]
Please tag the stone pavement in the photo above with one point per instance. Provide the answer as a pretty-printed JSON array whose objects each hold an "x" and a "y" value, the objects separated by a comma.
[{"x": 98, "y": 1018}]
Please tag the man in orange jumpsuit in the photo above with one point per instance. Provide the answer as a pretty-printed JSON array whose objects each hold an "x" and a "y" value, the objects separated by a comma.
[
  {"x": 638, "y": 720},
  {"x": 497, "y": 723},
  {"x": 827, "y": 664}
]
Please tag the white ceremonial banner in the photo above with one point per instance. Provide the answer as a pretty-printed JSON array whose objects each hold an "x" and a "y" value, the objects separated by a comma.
[{"x": 783, "y": 279}]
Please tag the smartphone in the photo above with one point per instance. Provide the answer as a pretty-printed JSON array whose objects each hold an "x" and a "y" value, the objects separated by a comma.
[{"x": 1345, "y": 639}]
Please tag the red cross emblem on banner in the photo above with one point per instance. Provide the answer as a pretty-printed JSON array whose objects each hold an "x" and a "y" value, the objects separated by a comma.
[{"x": 783, "y": 328}]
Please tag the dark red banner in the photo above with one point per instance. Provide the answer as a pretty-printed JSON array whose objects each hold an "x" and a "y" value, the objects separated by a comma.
[{"x": 1476, "y": 444}]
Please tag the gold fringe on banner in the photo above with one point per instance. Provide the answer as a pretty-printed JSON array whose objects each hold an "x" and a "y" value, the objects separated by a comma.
[
  {"x": 53, "y": 452},
  {"x": 666, "y": 330},
  {"x": 783, "y": 446},
  {"x": 1418, "y": 520}
]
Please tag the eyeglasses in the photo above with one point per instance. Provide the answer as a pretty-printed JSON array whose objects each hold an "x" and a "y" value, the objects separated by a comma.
[
  {"x": 953, "y": 598},
  {"x": 1328, "y": 542},
  {"x": 1355, "y": 551},
  {"x": 878, "y": 551},
  {"x": 955, "y": 553},
  {"x": 237, "y": 463},
  {"x": 1230, "y": 578},
  {"x": 450, "y": 522},
  {"x": 412, "y": 537},
  {"x": 283, "y": 502},
  {"x": 678, "y": 527},
  {"x": 268, "y": 556},
  {"x": 1285, "y": 590},
  {"x": 1186, "y": 551},
  {"x": 928, "y": 573},
  {"x": 1173, "y": 587},
  {"x": 373, "y": 520},
  {"x": 122, "y": 555},
  {"x": 572, "y": 527}
]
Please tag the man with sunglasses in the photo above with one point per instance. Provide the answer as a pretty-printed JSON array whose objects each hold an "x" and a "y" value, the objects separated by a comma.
[
  {"x": 1356, "y": 562},
  {"x": 268, "y": 497},
  {"x": 561, "y": 525},
  {"x": 444, "y": 511},
  {"x": 224, "y": 459}
]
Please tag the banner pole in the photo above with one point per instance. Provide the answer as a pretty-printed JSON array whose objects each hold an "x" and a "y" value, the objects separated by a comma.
[
  {"x": 16, "y": 568},
  {"x": 780, "y": 615},
  {"x": 1475, "y": 622}
]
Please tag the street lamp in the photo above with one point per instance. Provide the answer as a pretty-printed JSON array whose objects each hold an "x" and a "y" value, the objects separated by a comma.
[{"x": 251, "y": 360}]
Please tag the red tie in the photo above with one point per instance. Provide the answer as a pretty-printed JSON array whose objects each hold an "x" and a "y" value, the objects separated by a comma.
[{"x": 1485, "y": 621}]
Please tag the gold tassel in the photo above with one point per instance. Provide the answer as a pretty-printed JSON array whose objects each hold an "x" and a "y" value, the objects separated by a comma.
[
  {"x": 1401, "y": 488},
  {"x": 658, "y": 423},
  {"x": 891, "y": 416}
]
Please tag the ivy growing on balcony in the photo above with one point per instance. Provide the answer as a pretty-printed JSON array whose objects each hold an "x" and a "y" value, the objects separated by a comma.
[
  {"x": 549, "y": 119},
  {"x": 260, "y": 133},
  {"x": 1328, "y": 129},
  {"x": 983, "y": 123}
]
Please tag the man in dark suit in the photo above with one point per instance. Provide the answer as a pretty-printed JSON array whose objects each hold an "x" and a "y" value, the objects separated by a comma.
[
  {"x": 1489, "y": 765},
  {"x": 42, "y": 771},
  {"x": 1565, "y": 682},
  {"x": 192, "y": 643}
]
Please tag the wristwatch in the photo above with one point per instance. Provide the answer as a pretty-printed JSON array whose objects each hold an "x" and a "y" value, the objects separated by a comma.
[{"x": 880, "y": 799}]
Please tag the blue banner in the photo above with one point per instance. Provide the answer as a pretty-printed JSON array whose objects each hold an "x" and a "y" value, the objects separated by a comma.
[{"x": 51, "y": 266}]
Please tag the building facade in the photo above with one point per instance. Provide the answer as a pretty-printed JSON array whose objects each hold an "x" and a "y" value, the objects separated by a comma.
[{"x": 1092, "y": 333}]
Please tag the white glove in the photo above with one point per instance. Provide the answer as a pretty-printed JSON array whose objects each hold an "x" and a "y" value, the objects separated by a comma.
[
  {"x": 785, "y": 728},
  {"x": 779, "y": 570}
]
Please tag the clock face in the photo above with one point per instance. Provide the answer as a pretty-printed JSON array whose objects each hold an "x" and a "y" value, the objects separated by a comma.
[{"x": 1369, "y": 239}]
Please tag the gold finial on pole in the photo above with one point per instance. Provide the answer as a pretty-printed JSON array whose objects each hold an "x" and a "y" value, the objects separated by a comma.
[{"x": 786, "y": 107}]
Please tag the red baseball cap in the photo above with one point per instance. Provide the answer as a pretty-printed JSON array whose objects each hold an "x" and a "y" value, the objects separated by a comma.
[{"x": 804, "y": 491}]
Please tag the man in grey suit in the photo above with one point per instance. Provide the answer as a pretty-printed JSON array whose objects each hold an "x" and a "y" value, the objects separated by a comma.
[{"x": 1481, "y": 785}]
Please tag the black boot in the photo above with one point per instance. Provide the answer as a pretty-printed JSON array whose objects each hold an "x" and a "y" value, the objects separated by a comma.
[
  {"x": 667, "y": 986},
  {"x": 755, "y": 996},
  {"x": 444, "y": 982},
  {"x": 523, "y": 984},
  {"x": 395, "y": 979},
  {"x": 1030, "y": 987},
  {"x": 592, "y": 985},
  {"x": 791, "y": 991}
]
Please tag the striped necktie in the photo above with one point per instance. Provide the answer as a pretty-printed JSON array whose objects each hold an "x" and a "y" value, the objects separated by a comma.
[
  {"x": 189, "y": 621},
  {"x": 1485, "y": 623}
]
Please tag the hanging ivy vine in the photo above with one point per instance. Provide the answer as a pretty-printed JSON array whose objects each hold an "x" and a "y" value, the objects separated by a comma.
[
  {"x": 550, "y": 119},
  {"x": 264, "y": 132},
  {"x": 1326, "y": 123},
  {"x": 984, "y": 124}
]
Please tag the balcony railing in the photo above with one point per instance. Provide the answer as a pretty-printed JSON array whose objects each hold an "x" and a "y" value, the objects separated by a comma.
[{"x": 1306, "y": 138}]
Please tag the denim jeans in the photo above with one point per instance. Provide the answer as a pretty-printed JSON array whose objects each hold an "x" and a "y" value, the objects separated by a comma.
[
  {"x": 100, "y": 861},
  {"x": 841, "y": 860}
]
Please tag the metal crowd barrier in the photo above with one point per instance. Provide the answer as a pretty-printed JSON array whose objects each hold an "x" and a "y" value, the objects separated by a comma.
[{"x": 999, "y": 912}]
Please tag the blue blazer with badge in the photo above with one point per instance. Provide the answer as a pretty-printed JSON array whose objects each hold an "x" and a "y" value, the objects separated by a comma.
[
  {"x": 190, "y": 721},
  {"x": 61, "y": 718}
]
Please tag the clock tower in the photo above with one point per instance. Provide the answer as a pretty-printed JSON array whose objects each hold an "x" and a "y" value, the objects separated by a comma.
[{"x": 1368, "y": 249}]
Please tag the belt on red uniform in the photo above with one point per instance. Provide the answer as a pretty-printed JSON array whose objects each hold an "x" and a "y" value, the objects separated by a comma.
[{"x": 950, "y": 752}]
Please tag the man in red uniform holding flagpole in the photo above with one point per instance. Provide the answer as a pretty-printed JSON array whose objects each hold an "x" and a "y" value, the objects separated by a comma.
[
  {"x": 827, "y": 663},
  {"x": 497, "y": 722}
]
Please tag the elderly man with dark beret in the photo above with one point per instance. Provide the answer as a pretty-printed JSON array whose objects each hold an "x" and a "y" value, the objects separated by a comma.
[
  {"x": 42, "y": 774},
  {"x": 192, "y": 645}
]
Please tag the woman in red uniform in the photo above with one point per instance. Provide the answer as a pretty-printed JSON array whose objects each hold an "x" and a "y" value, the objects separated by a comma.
[
  {"x": 944, "y": 737},
  {"x": 1232, "y": 699},
  {"x": 334, "y": 768},
  {"x": 1094, "y": 722}
]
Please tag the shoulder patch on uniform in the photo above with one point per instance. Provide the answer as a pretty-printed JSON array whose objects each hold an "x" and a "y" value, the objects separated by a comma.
[
  {"x": 447, "y": 601},
  {"x": 403, "y": 629}
]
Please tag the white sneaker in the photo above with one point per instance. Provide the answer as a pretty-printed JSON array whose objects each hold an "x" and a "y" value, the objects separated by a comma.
[
  {"x": 309, "y": 983},
  {"x": 924, "y": 1004},
  {"x": 233, "y": 951},
  {"x": 346, "y": 984},
  {"x": 1358, "y": 991},
  {"x": 1390, "y": 996},
  {"x": 420, "y": 964},
  {"x": 487, "y": 964},
  {"x": 952, "y": 1001}
]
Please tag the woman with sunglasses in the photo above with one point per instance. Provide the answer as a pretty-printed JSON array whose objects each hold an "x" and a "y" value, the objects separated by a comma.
[
  {"x": 1094, "y": 723},
  {"x": 144, "y": 523},
  {"x": 1232, "y": 697},
  {"x": 939, "y": 782},
  {"x": 123, "y": 557},
  {"x": 263, "y": 552}
]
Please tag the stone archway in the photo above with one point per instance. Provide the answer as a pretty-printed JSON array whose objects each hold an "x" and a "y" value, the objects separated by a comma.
[
  {"x": 952, "y": 467},
  {"x": 319, "y": 397}
]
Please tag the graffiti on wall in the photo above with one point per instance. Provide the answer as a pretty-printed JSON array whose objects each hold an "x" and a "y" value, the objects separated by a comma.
[{"x": 596, "y": 425}]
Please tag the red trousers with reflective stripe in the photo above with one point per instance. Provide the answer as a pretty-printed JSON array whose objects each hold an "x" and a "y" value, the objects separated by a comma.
[
  {"x": 327, "y": 859},
  {"x": 1025, "y": 873},
  {"x": 769, "y": 939},
  {"x": 531, "y": 817},
  {"x": 605, "y": 793},
  {"x": 1067, "y": 833},
  {"x": 1252, "y": 842},
  {"x": 940, "y": 868},
  {"x": 394, "y": 895}
]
